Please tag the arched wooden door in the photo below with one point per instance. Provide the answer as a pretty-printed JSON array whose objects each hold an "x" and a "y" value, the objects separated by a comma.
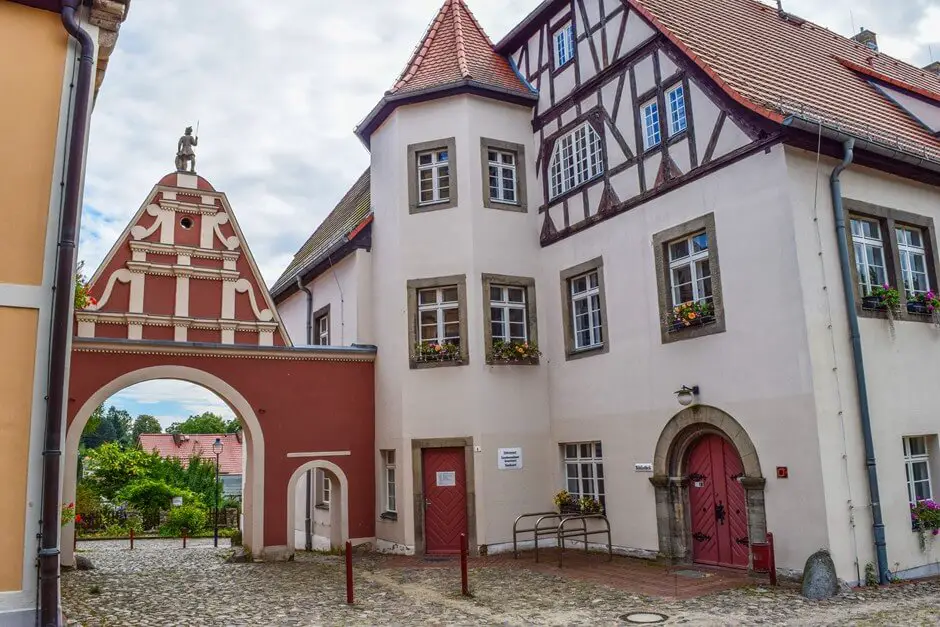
[{"x": 717, "y": 504}]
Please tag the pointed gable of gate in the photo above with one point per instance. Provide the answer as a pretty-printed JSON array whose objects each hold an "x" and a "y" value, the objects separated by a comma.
[{"x": 182, "y": 271}]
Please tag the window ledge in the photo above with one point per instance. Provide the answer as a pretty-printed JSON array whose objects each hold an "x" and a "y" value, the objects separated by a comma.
[
  {"x": 587, "y": 351},
  {"x": 325, "y": 506},
  {"x": 392, "y": 516},
  {"x": 421, "y": 365},
  {"x": 531, "y": 361}
]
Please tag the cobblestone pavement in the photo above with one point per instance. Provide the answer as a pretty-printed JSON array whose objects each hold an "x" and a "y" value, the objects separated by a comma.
[{"x": 160, "y": 583}]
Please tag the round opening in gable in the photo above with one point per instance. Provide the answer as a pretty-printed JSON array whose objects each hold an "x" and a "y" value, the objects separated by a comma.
[{"x": 186, "y": 223}]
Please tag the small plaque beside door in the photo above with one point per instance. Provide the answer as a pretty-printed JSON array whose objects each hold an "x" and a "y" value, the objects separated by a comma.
[{"x": 446, "y": 478}]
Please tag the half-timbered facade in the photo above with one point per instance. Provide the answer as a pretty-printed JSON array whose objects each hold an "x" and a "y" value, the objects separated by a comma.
[{"x": 569, "y": 188}]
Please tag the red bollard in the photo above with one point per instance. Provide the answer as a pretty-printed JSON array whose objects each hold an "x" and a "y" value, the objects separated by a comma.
[
  {"x": 773, "y": 560},
  {"x": 464, "y": 551},
  {"x": 132, "y": 538},
  {"x": 184, "y": 537},
  {"x": 349, "y": 574}
]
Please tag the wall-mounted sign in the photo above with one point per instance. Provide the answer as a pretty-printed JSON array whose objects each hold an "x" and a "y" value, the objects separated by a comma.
[
  {"x": 446, "y": 478},
  {"x": 783, "y": 472},
  {"x": 177, "y": 501},
  {"x": 509, "y": 458},
  {"x": 643, "y": 467}
]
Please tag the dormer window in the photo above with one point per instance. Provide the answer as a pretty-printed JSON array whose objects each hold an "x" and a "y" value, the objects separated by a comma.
[
  {"x": 576, "y": 159},
  {"x": 564, "y": 45}
]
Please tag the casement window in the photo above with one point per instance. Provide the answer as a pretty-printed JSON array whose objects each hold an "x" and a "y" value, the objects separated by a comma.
[
  {"x": 388, "y": 481},
  {"x": 649, "y": 116},
  {"x": 501, "y": 167},
  {"x": 869, "y": 254},
  {"x": 583, "y": 314},
  {"x": 576, "y": 159},
  {"x": 913, "y": 254},
  {"x": 323, "y": 489},
  {"x": 432, "y": 176},
  {"x": 688, "y": 281},
  {"x": 437, "y": 309},
  {"x": 690, "y": 278},
  {"x": 564, "y": 45},
  {"x": 917, "y": 467},
  {"x": 321, "y": 326},
  {"x": 675, "y": 102},
  {"x": 586, "y": 310},
  {"x": 503, "y": 174},
  {"x": 509, "y": 318},
  {"x": 584, "y": 470}
]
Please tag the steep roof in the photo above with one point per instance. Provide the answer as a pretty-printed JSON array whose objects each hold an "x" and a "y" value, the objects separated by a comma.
[
  {"x": 183, "y": 447},
  {"x": 347, "y": 215},
  {"x": 780, "y": 65},
  {"x": 454, "y": 56},
  {"x": 455, "y": 49}
]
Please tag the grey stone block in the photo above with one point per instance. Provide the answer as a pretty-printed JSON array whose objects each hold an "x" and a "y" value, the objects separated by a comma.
[{"x": 819, "y": 576}]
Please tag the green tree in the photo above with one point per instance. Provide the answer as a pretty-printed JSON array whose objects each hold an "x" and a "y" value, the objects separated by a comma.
[
  {"x": 113, "y": 425},
  {"x": 145, "y": 423},
  {"x": 206, "y": 422},
  {"x": 197, "y": 476},
  {"x": 111, "y": 467}
]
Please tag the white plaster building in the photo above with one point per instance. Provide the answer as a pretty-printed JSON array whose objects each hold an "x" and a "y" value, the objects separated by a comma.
[{"x": 570, "y": 186}]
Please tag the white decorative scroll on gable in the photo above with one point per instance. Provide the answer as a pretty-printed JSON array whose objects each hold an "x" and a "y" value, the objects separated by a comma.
[
  {"x": 163, "y": 221},
  {"x": 211, "y": 230},
  {"x": 244, "y": 285},
  {"x": 123, "y": 275}
]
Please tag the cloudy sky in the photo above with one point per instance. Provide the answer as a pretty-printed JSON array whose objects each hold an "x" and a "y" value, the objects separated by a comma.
[{"x": 277, "y": 88}]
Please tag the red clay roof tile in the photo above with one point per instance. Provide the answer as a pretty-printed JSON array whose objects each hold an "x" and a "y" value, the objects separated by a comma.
[{"x": 230, "y": 461}]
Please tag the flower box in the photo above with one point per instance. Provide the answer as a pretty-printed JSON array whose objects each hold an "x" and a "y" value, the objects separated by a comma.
[
  {"x": 514, "y": 353},
  {"x": 914, "y": 307},
  {"x": 873, "y": 302},
  {"x": 923, "y": 304},
  {"x": 431, "y": 352},
  {"x": 882, "y": 298},
  {"x": 689, "y": 315}
]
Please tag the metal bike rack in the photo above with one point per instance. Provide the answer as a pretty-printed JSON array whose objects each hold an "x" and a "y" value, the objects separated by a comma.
[{"x": 560, "y": 531}]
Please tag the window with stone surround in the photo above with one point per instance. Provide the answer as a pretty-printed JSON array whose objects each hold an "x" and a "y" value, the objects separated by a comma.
[
  {"x": 321, "y": 326},
  {"x": 584, "y": 470},
  {"x": 437, "y": 329},
  {"x": 509, "y": 316},
  {"x": 584, "y": 313},
  {"x": 504, "y": 179},
  {"x": 432, "y": 175},
  {"x": 389, "y": 502},
  {"x": 688, "y": 280},
  {"x": 917, "y": 468}
]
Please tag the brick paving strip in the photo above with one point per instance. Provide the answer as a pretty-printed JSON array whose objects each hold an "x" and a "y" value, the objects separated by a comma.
[{"x": 159, "y": 583}]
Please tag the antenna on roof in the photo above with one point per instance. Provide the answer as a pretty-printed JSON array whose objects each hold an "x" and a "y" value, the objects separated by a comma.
[{"x": 852, "y": 20}]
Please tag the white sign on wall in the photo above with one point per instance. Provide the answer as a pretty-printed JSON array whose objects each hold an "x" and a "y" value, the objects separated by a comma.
[
  {"x": 177, "y": 501},
  {"x": 446, "y": 478},
  {"x": 509, "y": 458},
  {"x": 643, "y": 467}
]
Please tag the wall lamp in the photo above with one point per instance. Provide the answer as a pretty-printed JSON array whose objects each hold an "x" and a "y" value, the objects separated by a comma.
[{"x": 685, "y": 395}]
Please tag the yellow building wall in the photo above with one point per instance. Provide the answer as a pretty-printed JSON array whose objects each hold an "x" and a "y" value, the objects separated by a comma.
[
  {"x": 18, "y": 338},
  {"x": 31, "y": 74}
]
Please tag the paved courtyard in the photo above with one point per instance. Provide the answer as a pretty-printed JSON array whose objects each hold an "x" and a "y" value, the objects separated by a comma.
[{"x": 160, "y": 583}]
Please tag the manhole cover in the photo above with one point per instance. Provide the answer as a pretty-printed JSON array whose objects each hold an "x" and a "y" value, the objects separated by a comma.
[
  {"x": 644, "y": 618},
  {"x": 691, "y": 574}
]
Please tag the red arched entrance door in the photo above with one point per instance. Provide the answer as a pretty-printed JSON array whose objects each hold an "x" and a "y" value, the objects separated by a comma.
[{"x": 717, "y": 503}]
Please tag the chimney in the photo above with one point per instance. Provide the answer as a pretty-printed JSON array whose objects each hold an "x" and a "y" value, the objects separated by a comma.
[
  {"x": 177, "y": 438},
  {"x": 933, "y": 67},
  {"x": 867, "y": 38}
]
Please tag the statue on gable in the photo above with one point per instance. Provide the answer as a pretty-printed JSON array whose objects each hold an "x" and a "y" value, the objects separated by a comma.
[{"x": 185, "y": 155}]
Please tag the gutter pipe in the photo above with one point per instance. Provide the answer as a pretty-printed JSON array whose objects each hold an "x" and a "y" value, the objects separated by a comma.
[
  {"x": 308, "y": 520},
  {"x": 62, "y": 324},
  {"x": 848, "y": 288}
]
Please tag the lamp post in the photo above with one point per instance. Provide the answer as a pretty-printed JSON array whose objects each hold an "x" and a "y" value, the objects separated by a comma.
[{"x": 217, "y": 449}]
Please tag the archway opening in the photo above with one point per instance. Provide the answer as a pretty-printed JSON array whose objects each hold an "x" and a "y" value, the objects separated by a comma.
[
  {"x": 318, "y": 507},
  {"x": 239, "y": 444}
]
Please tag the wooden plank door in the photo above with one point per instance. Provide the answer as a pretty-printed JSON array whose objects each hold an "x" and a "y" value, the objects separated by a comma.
[
  {"x": 445, "y": 499},
  {"x": 717, "y": 504}
]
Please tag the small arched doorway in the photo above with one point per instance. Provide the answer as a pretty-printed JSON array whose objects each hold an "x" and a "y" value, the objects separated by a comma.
[
  {"x": 717, "y": 503},
  {"x": 709, "y": 489},
  {"x": 332, "y": 523}
]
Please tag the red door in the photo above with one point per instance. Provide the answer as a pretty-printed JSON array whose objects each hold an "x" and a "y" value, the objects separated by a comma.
[
  {"x": 445, "y": 499},
  {"x": 717, "y": 504}
]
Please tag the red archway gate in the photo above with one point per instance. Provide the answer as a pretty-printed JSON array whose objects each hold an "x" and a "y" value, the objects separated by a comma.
[
  {"x": 179, "y": 296},
  {"x": 717, "y": 503}
]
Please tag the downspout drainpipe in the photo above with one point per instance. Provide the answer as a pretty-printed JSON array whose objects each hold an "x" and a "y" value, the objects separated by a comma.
[
  {"x": 62, "y": 324},
  {"x": 308, "y": 522},
  {"x": 848, "y": 288}
]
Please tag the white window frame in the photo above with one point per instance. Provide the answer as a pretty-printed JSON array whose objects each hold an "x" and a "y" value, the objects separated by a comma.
[
  {"x": 439, "y": 306},
  {"x": 323, "y": 330},
  {"x": 911, "y": 460},
  {"x": 435, "y": 166},
  {"x": 389, "y": 492},
  {"x": 564, "y": 45},
  {"x": 323, "y": 488},
  {"x": 652, "y": 127},
  {"x": 907, "y": 251},
  {"x": 505, "y": 306},
  {"x": 862, "y": 265},
  {"x": 586, "y": 469},
  {"x": 690, "y": 260},
  {"x": 675, "y": 103},
  {"x": 577, "y": 158},
  {"x": 592, "y": 294},
  {"x": 502, "y": 168}
]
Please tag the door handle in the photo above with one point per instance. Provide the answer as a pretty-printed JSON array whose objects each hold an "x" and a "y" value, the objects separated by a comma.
[{"x": 427, "y": 503}]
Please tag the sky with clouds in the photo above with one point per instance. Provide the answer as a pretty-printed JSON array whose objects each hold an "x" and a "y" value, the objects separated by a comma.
[{"x": 277, "y": 88}]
